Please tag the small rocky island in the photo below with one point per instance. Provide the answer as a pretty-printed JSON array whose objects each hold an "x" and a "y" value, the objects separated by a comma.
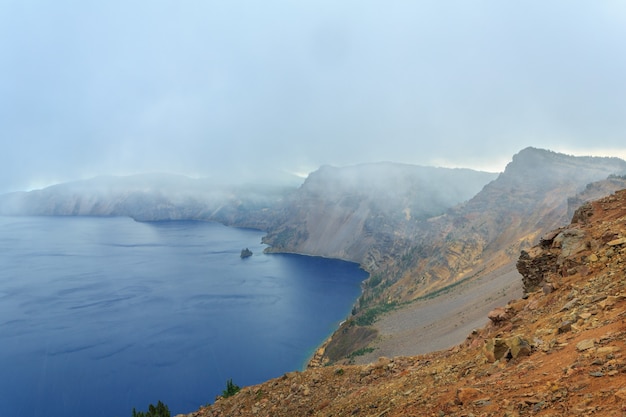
[{"x": 246, "y": 253}]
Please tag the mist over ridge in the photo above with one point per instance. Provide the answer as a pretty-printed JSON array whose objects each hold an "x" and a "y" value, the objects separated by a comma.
[
  {"x": 159, "y": 196},
  {"x": 473, "y": 245},
  {"x": 416, "y": 230},
  {"x": 413, "y": 192},
  {"x": 224, "y": 90},
  {"x": 353, "y": 212},
  {"x": 379, "y": 215},
  {"x": 275, "y": 116}
]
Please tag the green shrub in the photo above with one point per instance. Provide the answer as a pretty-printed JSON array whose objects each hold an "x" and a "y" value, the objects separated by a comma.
[
  {"x": 369, "y": 316},
  {"x": 360, "y": 352},
  {"x": 374, "y": 280},
  {"x": 231, "y": 389},
  {"x": 160, "y": 410}
]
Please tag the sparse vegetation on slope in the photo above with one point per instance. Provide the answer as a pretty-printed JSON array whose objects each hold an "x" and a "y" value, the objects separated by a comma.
[
  {"x": 160, "y": 410},
  {"x": 231, "y": 389},
  {"x": 486, "y": 233},
  {"x": 557, "y": 352}
]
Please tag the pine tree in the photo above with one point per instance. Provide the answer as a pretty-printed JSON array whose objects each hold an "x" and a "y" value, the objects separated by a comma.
[
  {"x": 231, "y": 389},
  {"x": 161, "y": 410}
]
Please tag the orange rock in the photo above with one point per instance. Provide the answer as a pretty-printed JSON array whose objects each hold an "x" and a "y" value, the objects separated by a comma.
[
  {"x": 621, "y": 394},
  {"x": 467, "y": 395},
  {"x": 616, "y": 242},
  {"x": 498, "y": 315}
]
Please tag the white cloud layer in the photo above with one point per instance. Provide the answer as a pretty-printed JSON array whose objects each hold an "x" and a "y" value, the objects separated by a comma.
[{"x": 246, "y": 89}]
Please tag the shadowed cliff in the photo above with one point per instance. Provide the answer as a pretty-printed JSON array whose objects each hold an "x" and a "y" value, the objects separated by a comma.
[
  {"x": 366, "y": 213},
  {"x": 152, "y": 197}
]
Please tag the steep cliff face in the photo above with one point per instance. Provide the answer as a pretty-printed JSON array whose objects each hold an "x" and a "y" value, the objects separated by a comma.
[
  {"x": 368, "y": 213},
  {"x": 481, "y": 237},
  {"x": 152, "y": 197},
  {"x": 593, "y": 238},
  {"x": 531, "y": 197}
]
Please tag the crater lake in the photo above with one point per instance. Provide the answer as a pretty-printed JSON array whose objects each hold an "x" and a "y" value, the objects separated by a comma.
[{"x": 100, "y": 315}]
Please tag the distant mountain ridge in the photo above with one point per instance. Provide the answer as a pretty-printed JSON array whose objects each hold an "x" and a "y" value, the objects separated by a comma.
[
  {"x": 360, "y": 213},
  {"x": 389, "y": 217},
  {"x": 439, "y": 224},
  {"x": 529, "y": 198},
  {"x": 417, "y": 230},
  {"x": 157, "y": 197},
  {"x": 485, "y": 234},
  {"x": 151, "y": 197}
]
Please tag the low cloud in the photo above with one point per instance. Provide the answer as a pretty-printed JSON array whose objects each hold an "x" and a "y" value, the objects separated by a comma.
[{"x": 243, "y": 91}]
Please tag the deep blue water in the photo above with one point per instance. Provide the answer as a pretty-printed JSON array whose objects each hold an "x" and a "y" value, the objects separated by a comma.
[{"x": 100, "y": 315}]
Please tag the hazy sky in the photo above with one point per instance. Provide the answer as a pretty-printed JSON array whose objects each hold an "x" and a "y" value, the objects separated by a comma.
[{"x": 247, "y": 88}]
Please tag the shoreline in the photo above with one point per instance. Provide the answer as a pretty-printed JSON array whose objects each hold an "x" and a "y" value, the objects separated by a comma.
[
  {"x": 316, "y": 359},
  {"x": 439, "y": 323}
]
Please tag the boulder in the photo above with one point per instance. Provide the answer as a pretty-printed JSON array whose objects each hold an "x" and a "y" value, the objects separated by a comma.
[
  {"x": 565, "y": 327},
  {"x": 620, "y": 394},
  {"x": 498, "y": 315},
  {"x": 495, "y": 349},
  {"x": 509, "y": 348},
  {"x": 583, "y": 213},
  {"x": 571, "y": 241},
  {"x": 466, "y": 395},
  {"x": 534, "y": 265},
  {"x": 585, "y": 345},
  {"x": 518, "y": 346}
]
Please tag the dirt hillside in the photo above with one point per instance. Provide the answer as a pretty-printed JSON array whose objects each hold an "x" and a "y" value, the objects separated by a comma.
[{"x": 557, "y": 351}]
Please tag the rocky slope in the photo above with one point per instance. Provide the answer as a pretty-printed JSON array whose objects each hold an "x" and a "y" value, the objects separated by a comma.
[
  {"x": 558, "y": 351},
  {"x": 388, "y": 217},
  {"x": 365, "y": 213},
  {"x": 404, "y": 223},
  {"x": 477, "y": 241},
  {"x": 529, "y": 198}
]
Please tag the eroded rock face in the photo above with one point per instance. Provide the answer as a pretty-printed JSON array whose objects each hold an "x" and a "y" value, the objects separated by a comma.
[
  {"x": 573, "y": 249},
  {"x": 368, "y": 213},
  {"x": 552, "y": 254},
  {"x": 582, "y": 214},
  {"x": 570, "y": 241},
  {"x": 528, "y": 199},
  {"x": 534, "y": 264}
]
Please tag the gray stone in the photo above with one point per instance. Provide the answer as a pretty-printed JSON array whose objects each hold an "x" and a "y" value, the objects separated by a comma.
[
  {"x": 565, "y": 327},
  {"x": 585, "y": 345}
]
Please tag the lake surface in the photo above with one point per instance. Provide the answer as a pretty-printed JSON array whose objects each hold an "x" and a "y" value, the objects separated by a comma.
[{"x": 100, "y": 315}]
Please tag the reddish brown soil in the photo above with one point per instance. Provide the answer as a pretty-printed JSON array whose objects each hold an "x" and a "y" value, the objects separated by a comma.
[{"x": 576, "y": 366}]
